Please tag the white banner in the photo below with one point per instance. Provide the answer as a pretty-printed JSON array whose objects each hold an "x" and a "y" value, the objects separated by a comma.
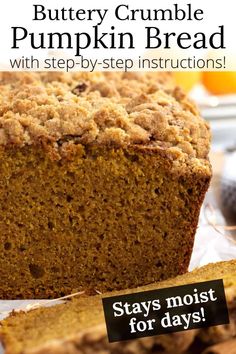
[{"x": 118, "y": 35}]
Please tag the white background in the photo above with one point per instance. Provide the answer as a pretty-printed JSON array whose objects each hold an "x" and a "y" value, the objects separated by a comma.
[{"x": 20, "y": 13}]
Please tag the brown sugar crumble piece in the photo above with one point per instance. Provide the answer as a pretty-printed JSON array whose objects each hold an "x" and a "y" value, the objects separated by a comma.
[{"x": 81, "y": 87}]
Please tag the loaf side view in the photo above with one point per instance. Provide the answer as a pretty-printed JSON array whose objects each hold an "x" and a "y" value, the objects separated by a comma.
[{"x": 102, "y": 179}]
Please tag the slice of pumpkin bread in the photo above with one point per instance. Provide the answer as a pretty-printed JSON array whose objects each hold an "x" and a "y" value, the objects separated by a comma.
[
  {"x": 78, "y": 326},
  {"x": 102, "y": 179}
]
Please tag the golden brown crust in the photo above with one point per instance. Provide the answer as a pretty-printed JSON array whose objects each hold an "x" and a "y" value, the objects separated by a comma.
[{"x": 103, "y": 108}]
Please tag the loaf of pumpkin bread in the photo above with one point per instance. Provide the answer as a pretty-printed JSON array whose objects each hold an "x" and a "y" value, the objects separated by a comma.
[
  {"x": 78, "y": 326},
  {"x": 102, "y": 179}
]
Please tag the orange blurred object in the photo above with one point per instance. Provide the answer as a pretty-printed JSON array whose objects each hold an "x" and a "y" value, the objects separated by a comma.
[
  {"x": 187, "y": 79},
  {"x": 219, "y": 82}
]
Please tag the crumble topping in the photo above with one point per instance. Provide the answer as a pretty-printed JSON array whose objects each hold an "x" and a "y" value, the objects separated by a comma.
[{"x": 113, "y": 109}]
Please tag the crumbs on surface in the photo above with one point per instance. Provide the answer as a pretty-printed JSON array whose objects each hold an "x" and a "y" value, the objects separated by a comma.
[{"x": 113, "y": 109}]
